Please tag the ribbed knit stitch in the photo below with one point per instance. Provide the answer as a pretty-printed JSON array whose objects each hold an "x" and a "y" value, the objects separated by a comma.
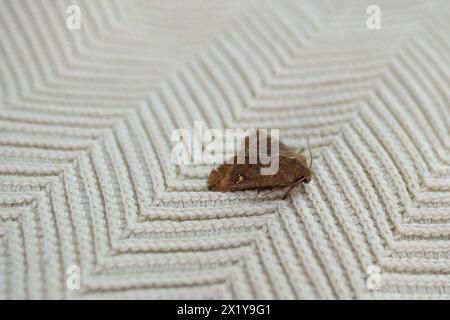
[{"x": 85, "y": 172}]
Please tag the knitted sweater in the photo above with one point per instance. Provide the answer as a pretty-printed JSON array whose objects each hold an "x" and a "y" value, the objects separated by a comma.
[{"x": 91, "y": 205}]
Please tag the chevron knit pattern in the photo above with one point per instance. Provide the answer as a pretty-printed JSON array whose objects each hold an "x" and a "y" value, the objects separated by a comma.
[{"x": 85, "y": 171}]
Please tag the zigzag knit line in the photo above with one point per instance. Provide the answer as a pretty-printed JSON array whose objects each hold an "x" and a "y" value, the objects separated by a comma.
[{"x": 85, "y": 176}]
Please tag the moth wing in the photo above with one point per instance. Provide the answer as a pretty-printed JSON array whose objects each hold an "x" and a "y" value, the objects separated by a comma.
[{"x": 235, "y": 177}]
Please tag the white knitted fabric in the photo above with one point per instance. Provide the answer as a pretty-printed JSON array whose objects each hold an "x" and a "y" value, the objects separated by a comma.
[{"x": 85, "y": 171}]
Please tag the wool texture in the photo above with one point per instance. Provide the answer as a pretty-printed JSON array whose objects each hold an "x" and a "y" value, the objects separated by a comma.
[{"x": 86, "y": 178}]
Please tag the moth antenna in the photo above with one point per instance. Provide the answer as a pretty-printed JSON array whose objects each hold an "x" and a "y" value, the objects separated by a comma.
[{"x": 310, "y": 156}]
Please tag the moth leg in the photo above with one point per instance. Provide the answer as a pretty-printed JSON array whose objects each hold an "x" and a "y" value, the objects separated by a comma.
[
  {"x": 292, "y": 187},
  {"x": 259, "y": 189}
]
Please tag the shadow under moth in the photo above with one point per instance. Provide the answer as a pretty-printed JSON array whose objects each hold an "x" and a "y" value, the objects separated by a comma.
[{"x": 237, "y": 176}]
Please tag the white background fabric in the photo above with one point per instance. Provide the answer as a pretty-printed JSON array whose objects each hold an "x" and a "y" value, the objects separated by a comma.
[{"x": 85, "y": 172}]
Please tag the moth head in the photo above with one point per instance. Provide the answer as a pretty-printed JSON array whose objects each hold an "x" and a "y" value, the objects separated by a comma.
[{"x": 306, "y": 178}]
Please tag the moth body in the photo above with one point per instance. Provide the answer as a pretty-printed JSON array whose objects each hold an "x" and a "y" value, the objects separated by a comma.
[{"x": 233, "y": 176}]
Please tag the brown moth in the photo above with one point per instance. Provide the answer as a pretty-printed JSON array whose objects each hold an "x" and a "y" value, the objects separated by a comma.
[{"x": 293, "y": 169}]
